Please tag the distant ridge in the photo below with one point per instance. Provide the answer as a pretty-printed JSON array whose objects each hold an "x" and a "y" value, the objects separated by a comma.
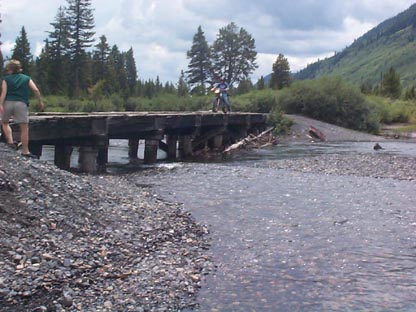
[{"x": 390, "y": 44}]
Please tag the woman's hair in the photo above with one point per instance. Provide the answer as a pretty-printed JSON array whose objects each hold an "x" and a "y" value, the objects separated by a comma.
[{"x": 14, "y": 67}]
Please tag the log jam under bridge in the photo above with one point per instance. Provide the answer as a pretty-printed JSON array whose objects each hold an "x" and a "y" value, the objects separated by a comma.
[{"x": 180, "y": 135}]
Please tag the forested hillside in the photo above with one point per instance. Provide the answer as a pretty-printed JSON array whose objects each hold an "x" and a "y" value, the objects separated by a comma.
[{"x": 390, "y": 44}]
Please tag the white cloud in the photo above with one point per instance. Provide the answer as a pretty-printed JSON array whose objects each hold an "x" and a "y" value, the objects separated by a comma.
[
  {"x": 7, "y": 47},
  {"x": 161, "y": 31}
]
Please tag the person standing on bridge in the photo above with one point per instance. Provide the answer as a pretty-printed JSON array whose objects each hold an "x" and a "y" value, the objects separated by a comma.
[
  {"x": 14, "y": 102},
  {"x": 223, "y": 86}
]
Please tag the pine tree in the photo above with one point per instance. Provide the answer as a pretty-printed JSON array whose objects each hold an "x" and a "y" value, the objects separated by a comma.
[
  {"x": 260, "y": 83},
  {"x": 58, "y": 54},
  {"x": 281, "y": 73},
  {"x": 101, "y": 65},
  {"x": 199, "y": 64},
  {"x": 118, "y": 71},
  {"x": 81, "y": 37},
  {"x": 410, "y": 93},
  {"x": 21, "y": 51},
  {"x": 149, "y": 89},
  {"x": 183, "y": 89},
  {"x": 1, "y": 60},
  {"x": 131, "y": 71},
  {"x": 40, "y": 74},
  {"x": 233, "y": 55},
  {"x": 244, "y": 86},
  {"x": 158, "y": 86},
  {"x": 390, "y": 85},
  {"x": 169, "y": 88}
]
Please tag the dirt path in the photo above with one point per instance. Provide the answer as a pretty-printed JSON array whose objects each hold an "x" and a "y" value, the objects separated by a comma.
[{"x": 299, "y": 131}]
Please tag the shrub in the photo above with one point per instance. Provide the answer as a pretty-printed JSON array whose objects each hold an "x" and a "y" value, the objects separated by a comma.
[
  {"x": 281, "y": 123},
  {"x": 393, "y": 111},
  {"x": 330, "y": 100},
  {"x": 256, "y": 101}
]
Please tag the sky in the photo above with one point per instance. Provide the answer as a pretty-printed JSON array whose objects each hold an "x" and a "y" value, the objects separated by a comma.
[{"x": 161, "y": 31}]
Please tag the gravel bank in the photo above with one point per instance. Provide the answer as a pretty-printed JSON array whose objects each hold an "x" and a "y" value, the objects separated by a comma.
[
  {"x": 364, "y": 165},
  {"x": 105, "y": 243},
  {"x": 92, "y": 243},
  {"x": 369, "y": 164},
  {"x": 301, "y": 124}
]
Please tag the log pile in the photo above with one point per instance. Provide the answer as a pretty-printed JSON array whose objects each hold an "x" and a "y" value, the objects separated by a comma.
[{"x": 264, "y": 139}]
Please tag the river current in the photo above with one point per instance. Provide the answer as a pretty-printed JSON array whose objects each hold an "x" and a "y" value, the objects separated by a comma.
[{"x": 283, "y": 240}]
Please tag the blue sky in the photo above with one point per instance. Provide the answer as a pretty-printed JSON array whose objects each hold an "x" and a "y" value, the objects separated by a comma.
[{"x": 161, "y": 31}]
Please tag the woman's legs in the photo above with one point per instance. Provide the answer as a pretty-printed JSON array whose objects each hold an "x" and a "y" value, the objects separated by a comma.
[
  {"x": 7, "y": 132},
  {"x": 24, "y": 137}
]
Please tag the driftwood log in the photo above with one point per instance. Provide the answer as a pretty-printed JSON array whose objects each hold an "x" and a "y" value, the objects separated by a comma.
[
  {"x": 262, "y": 140},
  {"x": 316, "y": 133}
]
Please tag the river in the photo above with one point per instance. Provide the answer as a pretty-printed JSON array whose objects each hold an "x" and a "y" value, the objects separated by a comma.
[{"x": 284, "y": 240}]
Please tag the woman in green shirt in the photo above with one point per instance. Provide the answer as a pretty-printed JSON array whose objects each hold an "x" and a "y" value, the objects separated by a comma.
[{"x": 14, "y": 101}]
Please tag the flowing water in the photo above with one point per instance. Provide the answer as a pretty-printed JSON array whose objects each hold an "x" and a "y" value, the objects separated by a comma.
[{"x": 291, "y": 241}]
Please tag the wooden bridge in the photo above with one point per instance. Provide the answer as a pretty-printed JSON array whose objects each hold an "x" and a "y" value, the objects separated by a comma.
[{"x": 180, "y": 135}]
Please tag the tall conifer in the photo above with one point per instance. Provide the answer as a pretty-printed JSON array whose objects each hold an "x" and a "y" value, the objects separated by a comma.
[
  {"x": 199, "y": 64},
  {"x": 81, "y": 37},
  {"x": 233, "y": 54},
  {"x": 21, "y": 51},
  {"x": 281, "y": 73}
]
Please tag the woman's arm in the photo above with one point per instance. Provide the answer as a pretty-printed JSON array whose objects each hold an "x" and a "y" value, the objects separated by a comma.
[
  {"x": 36, "y": 91},
  {"x": 3, "y": 94}
]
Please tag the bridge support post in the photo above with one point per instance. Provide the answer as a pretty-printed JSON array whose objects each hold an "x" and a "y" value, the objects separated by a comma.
[
  {"x": 102, "y": 159},
  {"x": 150, "y": 151},
  {"x": 185, "y": 146},
  {"x": 36, "y": 148},
  {"x": 216, "y": 142},
  {"x": 88, "y": 158},
  {"x": 133, "y": 148},
  {"x": 241, "y": 133},
  {"x": 172, "y": 141},
  {"x": 62, "y": 158}
]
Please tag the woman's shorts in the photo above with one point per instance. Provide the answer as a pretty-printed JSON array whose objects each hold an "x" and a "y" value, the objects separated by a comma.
[{"x": 18, "y": 110}]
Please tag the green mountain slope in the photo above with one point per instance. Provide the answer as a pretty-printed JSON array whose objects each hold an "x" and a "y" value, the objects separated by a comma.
[{"x": 391, "y": 44}]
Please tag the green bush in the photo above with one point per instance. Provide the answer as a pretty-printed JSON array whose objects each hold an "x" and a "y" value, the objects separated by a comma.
[
  {"x": 330, "y": 100},
  {"x": 393, "y": 111},
  {"x": 281, "y": 123},
  {"x": 256, "y": 101}
]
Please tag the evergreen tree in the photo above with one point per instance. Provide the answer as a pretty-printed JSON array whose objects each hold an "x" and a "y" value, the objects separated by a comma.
[
  {"x": 149, "y": 89},
  {"x": 21, "y": 51},
  {"x": 281, "y": 73},
  {"x": 199, "y": 64},
  {"x": 118, "y": 71},
  {"x": 101, "y": 65},
  {"x": 81, "y": 37},
  {"x": 40, "y": 74},
  {"x": 1, "y": 60},
  {"x": 244, "y": 86},
  {"x": 183, "y": 89},
  {"x": 158, "y": 86},
  {"x": 390, "y": 85},
  {"x": 59, "y": 58},
  {"x": 169, "y": 88},
  {"x": 233, "y": 54},
  {"x": 131, "y": 71},
  {"x": 260, "y": 83},
  {"x": 410, "y": 93}
]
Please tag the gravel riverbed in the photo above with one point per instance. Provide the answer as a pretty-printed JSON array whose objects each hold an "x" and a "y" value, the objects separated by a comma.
[
  {"x": 93, "y": 243},
  {"x": 73, "y": 242}
]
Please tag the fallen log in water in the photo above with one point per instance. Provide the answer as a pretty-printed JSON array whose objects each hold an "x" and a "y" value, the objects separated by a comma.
[
  {"x": 263, "y": 139},
  {"x": 315, "y": 133}
]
